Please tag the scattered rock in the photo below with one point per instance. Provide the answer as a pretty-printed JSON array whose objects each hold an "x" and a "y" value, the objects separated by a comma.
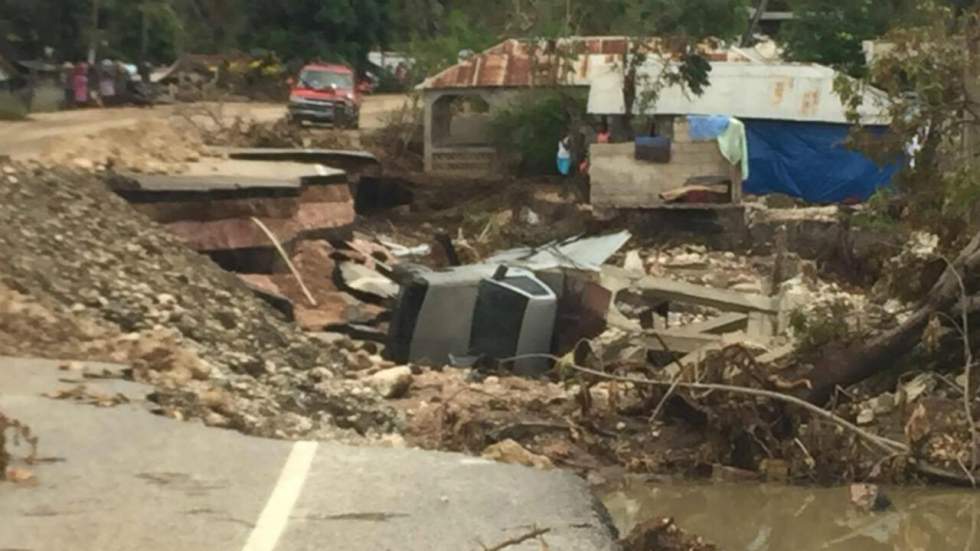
[
  {"x": 748, "y": 288},
  {"x": 775, "y": 470},
  {"x": 919, "y": 385},
  {"x": 917, "y": 428},
  {"x": 662, "y": 534},
  {"x": 392, "y": 383},
  {"x": 363, "y": 279},
  {"x": 724, "y": 473},
  {"x": 18, "y": 475},
  {"x": 884, "y": 404},
  {"x": 95, "y": 280},
  {"x": 869, "y": 498},
  {"x": 83, "y": 164},
  {"x": 687, "y": 261},
  {"x": 633, "y": 262},
  {"x": 509, "y": 451}
]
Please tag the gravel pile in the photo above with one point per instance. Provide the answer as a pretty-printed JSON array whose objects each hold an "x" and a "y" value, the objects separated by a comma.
[{"x": 70, "y": 247}]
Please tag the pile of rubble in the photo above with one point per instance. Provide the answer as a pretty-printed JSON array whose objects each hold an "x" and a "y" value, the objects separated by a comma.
[
  {"x": 246, "y": 132},
  {"x": 108, "y": 284},
  {"x": 126, "y": 290}
]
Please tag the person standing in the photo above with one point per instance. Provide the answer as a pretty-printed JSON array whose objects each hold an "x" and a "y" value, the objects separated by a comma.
[
  {"x": 145, "y": 71},
  {"x": 67, "y": 75},
  {"x": 107, "y": 83},
  {"x": 602, "y": 136},
  {"x": 564, "y": 156},
  {"x": 79, "y": 84},
  {"x": 122, "y": 78}
]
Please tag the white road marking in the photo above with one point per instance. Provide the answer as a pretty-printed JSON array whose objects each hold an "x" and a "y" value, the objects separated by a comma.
[{"x": 275, "y": 515}]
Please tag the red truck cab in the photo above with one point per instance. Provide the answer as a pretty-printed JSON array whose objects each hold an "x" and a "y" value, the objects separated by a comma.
[{"x": 325, "y": 93}]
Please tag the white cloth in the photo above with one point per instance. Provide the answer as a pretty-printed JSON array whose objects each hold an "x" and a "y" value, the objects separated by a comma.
[{"x": 563, "y": 152}]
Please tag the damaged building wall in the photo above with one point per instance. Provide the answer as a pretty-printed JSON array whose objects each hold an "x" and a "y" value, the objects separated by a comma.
[{"x": 619, "y": 180}]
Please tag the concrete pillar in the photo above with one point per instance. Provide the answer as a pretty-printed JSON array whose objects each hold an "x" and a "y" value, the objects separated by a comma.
[
  {"x": 442, "y": 118},
  {"x": 428, "y": 104}
]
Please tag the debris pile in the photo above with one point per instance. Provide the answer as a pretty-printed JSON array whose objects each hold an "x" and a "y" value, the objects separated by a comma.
[
  {"x": 214, "y": 351},
  {"x": 151, "y": 146},
  {"x": 217, "y": 130},
  {"x": 663, "y": 534},
  {"x": 14, "y": 433},
  {"x": 681, "y": 359},
  {"x": 697, "y": 374}
]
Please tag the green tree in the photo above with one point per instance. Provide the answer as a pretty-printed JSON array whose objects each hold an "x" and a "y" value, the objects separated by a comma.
[
  {"x": 672, "y": 32},
  {"x": 929, "y": 77},
  {"x": 831, "y": 32},
  {"x": 457, "y": 33},
  {"x": 29, "y": 26},
  {"x": 337, "y": 30}
]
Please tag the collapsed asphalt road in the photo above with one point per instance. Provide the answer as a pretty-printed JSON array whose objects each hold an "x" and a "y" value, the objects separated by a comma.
[{"x": 121, "y": 478}]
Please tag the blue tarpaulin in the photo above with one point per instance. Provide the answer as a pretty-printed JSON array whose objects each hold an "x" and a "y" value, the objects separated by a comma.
[
  {"x": 809, "y": 160},
  {"x": 707, "y": 127}
]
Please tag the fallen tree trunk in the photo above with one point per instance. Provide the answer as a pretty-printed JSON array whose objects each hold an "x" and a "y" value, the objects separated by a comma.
[{"x": 848, "y": 366}]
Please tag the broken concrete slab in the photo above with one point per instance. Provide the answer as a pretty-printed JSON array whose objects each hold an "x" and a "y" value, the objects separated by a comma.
[
  {"x": 669, "y": 289},
  {"x": 131, "y": 480},
  {"x": 361, "y": 279},
  {"x": 679, "y": 341},
  {"x": 728, "y": 322},
  {"x": 358, "y": 162},
  {"x": 218, "y": 175},
  {"x": 211, "y": 205},
  {"x": 263, "y": 287},
  {"x": 581, "y": 253},
  {"x": 761, "y": 324},
  {"x": 777, "y": 354}
]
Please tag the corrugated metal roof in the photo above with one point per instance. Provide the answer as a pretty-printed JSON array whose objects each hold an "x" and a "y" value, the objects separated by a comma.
[
  {"x": 573, "y": 61},
  {"x": 775, "y": 91}
]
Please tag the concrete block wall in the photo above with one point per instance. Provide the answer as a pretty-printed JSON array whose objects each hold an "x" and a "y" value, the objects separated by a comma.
[
  {"x": 620, "y": 181},
  {"x": 453, "y": 143},
  {"x": 469, "y": 162}
]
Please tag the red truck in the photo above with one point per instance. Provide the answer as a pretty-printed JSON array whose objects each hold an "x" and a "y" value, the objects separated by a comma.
[{"x": 325, "y": 93}]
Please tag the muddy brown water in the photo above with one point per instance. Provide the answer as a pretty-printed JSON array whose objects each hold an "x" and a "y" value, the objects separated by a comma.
[{"x": 754, "y": 517}]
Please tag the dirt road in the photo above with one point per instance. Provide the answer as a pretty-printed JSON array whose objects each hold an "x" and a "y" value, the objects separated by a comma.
[{"x": 31, "y": 138}]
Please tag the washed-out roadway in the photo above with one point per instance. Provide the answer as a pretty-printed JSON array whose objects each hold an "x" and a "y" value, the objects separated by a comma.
[{"x": 123, "y": 478}]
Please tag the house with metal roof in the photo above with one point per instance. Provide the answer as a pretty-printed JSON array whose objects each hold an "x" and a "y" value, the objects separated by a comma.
[
  {"x": 460, "y": 101},
  {"x": 796, "y": 128}
]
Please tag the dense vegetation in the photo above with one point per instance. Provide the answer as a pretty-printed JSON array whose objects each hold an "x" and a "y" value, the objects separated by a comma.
[{"x": 434, "y": 31}]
